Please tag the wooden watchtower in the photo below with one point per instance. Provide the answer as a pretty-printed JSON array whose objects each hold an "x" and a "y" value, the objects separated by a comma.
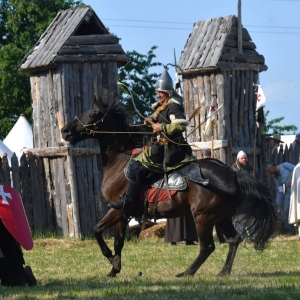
[
  {"x": 220, "y": 68},
  {"x": 75, "y": 59}
]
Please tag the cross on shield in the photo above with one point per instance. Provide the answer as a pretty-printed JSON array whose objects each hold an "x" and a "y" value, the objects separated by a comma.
[{"x": 13, "y": 216}]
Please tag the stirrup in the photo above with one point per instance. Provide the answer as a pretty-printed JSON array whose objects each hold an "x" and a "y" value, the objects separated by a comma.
[{"x": 120, "y": 205}]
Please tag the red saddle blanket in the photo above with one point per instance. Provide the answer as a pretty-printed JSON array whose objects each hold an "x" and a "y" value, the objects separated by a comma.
[{"x": 150, "y": 194}]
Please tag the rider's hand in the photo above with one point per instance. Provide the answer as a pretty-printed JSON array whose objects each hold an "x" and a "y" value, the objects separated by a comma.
[
  {"x": 156, "y": 127},
  {"x": 148, "y": 121}
]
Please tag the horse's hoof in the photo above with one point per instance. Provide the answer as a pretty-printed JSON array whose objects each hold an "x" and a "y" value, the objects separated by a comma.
[
  {"x": 223, "y": 273},
  {"x": 180, "y": 275},
  {"x": 116, "y": 262},
  {"x": 111, "y": 274}
]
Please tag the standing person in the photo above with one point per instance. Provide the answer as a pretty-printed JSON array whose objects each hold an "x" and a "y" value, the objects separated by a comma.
[
  {"x": 12, "y": 270},
  {"x": 241, "y": 165},
  {"x": 296, "y": 148},
  {"x": 294, "y": 215},
  {"x": 168, "y": 151},
  {"x": 282, "y": 175},
  {"x": 181, "y": 229}
]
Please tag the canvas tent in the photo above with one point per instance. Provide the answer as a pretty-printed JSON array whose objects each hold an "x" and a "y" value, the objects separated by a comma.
[
  {"x": 20, "y": 137},
  {"x": 4, "y": 148}
]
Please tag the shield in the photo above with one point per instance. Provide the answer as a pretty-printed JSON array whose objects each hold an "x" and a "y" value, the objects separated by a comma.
[{"x": 13, "y": 216}]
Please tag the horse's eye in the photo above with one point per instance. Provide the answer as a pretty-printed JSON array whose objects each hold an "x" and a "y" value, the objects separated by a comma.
[{"x": 91, "y": 115}]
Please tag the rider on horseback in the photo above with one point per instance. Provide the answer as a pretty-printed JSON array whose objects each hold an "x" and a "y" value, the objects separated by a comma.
[{"x": 168, "y": 152}]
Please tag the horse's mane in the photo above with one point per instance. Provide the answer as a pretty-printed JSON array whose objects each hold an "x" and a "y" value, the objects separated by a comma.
[{"x": 124, "y": 121}]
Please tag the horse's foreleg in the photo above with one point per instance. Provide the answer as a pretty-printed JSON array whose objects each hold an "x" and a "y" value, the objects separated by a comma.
[
  {"x": 207, "y": 246},
  {"x": 233, "y": 244},
  {"x": 116, "y": 218}
]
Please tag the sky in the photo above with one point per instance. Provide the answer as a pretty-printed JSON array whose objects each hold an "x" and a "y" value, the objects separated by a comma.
[{"x": 274, "y": 26}]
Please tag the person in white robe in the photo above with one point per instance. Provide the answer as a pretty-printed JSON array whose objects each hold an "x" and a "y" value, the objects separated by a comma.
[{"x": 294, "y": 213}]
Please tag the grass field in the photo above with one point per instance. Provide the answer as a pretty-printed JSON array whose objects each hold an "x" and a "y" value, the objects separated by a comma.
[{"x": 73, "y": 269}]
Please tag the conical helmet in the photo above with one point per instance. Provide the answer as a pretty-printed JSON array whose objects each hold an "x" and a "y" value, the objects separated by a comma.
[{"x": 164, "y": 83}]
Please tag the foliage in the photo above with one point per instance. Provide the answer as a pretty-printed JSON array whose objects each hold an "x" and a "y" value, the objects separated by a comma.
[
  {"x": 273, "y": 127},
  {"x": 137, "y": 77},
  {"x": 76, "y": 269},
  {"x": 22, "y": 22}
]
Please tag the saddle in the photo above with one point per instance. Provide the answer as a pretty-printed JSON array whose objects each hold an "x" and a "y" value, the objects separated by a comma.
[{"x": 176, "y": 182}]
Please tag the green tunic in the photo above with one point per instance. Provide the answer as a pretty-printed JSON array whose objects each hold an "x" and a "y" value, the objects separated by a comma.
[{"x": 146, "y": 157}]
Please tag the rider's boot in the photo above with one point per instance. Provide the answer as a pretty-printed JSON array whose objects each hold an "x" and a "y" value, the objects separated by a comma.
[{"x": 126, "y": 203}]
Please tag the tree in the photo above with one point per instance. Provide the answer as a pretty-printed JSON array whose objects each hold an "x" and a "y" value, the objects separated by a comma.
[
  {"x": 21, "y": 24},
  {"x": 136, "y": 75},
  {"x": 273, "y": 127}
]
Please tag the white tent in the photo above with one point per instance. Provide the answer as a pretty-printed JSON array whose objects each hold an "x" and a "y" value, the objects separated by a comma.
[
  {"x": 4, "y": 148},
  {"x": 20, "y": 137}
]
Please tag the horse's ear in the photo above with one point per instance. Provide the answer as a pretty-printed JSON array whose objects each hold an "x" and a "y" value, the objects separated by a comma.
[{"x": 98, "y": 103}]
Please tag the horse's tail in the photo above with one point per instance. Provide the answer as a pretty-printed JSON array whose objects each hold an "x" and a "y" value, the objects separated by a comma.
[{"x": 258, "y": 207}]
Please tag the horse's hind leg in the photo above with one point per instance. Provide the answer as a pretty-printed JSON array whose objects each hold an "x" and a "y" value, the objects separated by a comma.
[
  {"x": 207, "y": 246},
  {"x": 113, "y": 217},
  {"x": 233, "y": 239}
]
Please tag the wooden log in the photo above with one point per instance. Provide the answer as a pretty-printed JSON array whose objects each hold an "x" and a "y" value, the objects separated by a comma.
[
  {"x": 241, "y": 107},
  {"x": 197, "y": 70},
  {"x": 207, "y": 145},
  {"x": 234, "y": 31},
  {"x": 207, "y": 44},
  {"x": 80, "y": 181},
  {"x": 49, "y": 196},
  {"x": 64, "y": 151},
  {"x": 90, "y": 58},
  {"x": 221, "y": 114},
  {"x": 208, "y": 100},
  {"x": 246, "y": 129},
  {"x": 93, "y": 39},
  {"x": 234, "y": 109},
  {"x": 195, "y": 39},
  {"x": 245, "y": 44},
  {"x": 75, "y": 230},
  {"x": 228, "y": 66},
  {"x": 249, "y": 59},
  {"x": 15, "y": 172},
  {"x": 252, "y": 106},
  {"x": 91, "y": 49},
  {"x": 38, "y": 211},
  {"x": 25, "y": 190}
]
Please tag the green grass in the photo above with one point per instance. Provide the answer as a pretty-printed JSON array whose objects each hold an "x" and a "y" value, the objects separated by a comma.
[{"x": 74, "y": 269}]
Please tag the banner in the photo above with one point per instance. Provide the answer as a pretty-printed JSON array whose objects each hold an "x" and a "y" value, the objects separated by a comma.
[
  {"x": 261, "y": 99},
  {"x": 211, "y": 115}
]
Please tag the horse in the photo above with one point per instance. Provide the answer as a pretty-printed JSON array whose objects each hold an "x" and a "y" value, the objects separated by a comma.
[{"x": 213, "y": 204}]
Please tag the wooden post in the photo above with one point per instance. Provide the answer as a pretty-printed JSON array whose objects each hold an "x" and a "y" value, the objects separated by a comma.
[
  {"x": 240, "y": 36},
  {"x": 212, "y": 140},
  {"x": 74, "y": 196},
  {"x": 255, "y": 141}
]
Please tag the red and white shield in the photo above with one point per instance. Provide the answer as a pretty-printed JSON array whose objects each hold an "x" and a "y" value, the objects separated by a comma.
[{"x": 13, "y": 216}]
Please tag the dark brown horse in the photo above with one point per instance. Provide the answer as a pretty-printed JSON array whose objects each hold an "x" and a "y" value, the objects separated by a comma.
[{"x": 214, "y": 204}]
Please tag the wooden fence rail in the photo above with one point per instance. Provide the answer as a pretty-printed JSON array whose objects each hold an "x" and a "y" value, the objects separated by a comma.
[{"x": 54, "y": 199}]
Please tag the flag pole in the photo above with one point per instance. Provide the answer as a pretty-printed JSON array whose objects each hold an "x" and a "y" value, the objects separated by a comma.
[
  {"x": 255, "y": 129},
  {"x": 255, "y": 141}
]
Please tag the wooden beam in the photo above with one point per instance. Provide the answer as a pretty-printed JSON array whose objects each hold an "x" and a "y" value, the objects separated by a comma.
[
  {"x": 217, "y": 144},
  {"x": 64, "y": 151},
  {"x": 229, "y": 66},
  {"x": 92, "y": 49},
  {"x": 93, "y": 39},
  {"x": 90, "y": 58}
]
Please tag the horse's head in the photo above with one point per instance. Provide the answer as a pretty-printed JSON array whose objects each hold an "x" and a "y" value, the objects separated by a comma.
[{"x": 87, "y": 125}]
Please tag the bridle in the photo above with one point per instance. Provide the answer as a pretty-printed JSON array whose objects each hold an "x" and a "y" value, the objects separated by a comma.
[{"x": 85, "y": 126}]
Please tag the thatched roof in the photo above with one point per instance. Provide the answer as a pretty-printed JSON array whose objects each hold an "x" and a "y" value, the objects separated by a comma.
[
  {"x": 213, "y": 44},
  {"x": 75, "y": 35}
]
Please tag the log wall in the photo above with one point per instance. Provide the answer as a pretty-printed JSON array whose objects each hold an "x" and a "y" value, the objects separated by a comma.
[
  {"x": 234, "y": 129},
  {"x": 69, "y": 184}
]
